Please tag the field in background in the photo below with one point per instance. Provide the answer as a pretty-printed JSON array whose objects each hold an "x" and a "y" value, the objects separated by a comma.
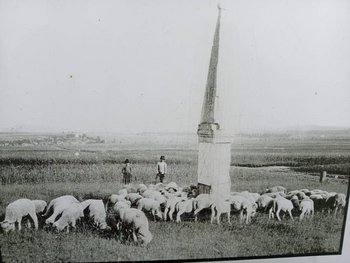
[{"x": 50, "y": 167}]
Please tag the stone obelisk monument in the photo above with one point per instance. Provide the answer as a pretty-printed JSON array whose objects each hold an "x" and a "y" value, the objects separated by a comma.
[{"x": 214, "y": 147}]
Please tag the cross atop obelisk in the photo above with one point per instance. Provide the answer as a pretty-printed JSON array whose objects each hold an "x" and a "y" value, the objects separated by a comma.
[{"x": 214, "y": 155}]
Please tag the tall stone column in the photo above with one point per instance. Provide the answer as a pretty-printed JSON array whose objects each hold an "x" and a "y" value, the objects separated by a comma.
[{"x": 214, "y": 156}]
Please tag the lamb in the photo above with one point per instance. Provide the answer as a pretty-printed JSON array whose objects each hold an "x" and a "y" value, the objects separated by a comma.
[
  {"x": 151, "y": 205},
  {"x": 221, "y": 208},
  {"x": 136, "y": 221},
  {"x": 96, "y": 211},
  {"x": 201, "y": 202},
  {"x": 15, "y": 211},
  {"x": 184, "y": 206},
  {"x": 244, "y": 206},
  {"x": 59, "y": 205},
  {"x": 69, "y": 216},
  {"x": 281, "y": 204}
]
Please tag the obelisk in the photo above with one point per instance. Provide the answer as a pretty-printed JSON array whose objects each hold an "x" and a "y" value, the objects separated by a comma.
[{"x": 214, "y": 155}]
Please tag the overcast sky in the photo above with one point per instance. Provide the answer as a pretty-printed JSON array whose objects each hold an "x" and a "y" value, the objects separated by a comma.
[{"x": 141, "y": 66}]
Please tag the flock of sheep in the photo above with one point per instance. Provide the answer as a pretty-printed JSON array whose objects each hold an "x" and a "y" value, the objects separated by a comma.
[{"x": 124, "y": 213}]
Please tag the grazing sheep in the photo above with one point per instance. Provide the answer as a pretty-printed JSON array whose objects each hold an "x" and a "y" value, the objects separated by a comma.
[
  {"x": 276, "y": 194},
  {"x": 170, "y": 206},
  {"x": 306, "y": 207},
  {"x": 264, "y": 202},
  {"x": 59, "y": 205},
  {"x": 244, "y": 206},
  {"x": 319, "y": 202},
  {"x": 114, "y": 198},
  {"x": 159, "y": 186},
  {"x": 184, "y": 206},
  {"x": 40, "y": 206},
  {"x": 221, "y": 208},
  {"x": 141, "y": 188},
  {"x": 281, "y": 204},
  {"x": 123, "y": 192},
  {"x": 252, "y": 198},
  {"x": 301, "y": 195},
  {"x": 151, "y": 205},
  {"x": 135, "y": 221},
  {"x": 201, "y": 202},
  {"x": 69, "y": 216},
  {"x": 95, "y": 210},
  {"x": 335, "y": 202},
  {"x": 172, "y": 186},
  {"x": 15, "y": 211},
  {"x": 150, "y": 193},
  {"x": 159, "y": 198},
  {"x": 276, "y": 189},
  {"x": 133, "y": 198},
  {"x": 121, "y": 205}
]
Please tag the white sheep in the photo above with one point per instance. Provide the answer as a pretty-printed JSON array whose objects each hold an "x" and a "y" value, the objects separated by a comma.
[
  {"x": 244, "y": 206},
  {"x": 135, "y": 221},
  {"x": 40, "y": 205},
  {"x": 114, "y": 198},
  {"x": 306, "y": 206},
  {"x": 141, "y": 188},
  {"x": 221, "y": 208},
  {"x": 276, "y": 189},
  {"x": 121, "y": 205},
  {"x": 59, "y": 205},
  {"x": 150, "y": 205},
  {"x": 172, "y": 185},
  {"x": 335, "y": 202},
  {"x": 281, "y": 204},
  {"x": 123, "y": 192},
  {"x": 264, "y": 202},
  {"x": 201, "y": 202},
  {"x": 96, "y": 211},
  {"x": 69, "y": 216},
  {"x": 184, "y": 206},
  {"x": 15, "y": 211},
  {"x": 252, "y": 197},
  {"x": 133, "y": 198},
  {"x": 170, "y": 206}
]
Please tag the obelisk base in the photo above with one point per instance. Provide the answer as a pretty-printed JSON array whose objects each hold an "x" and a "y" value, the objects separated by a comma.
[{"x": 214, "y": 169}]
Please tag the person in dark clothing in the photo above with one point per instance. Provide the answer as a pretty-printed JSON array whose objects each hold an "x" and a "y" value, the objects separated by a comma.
[{"x": 126, "y": 172}]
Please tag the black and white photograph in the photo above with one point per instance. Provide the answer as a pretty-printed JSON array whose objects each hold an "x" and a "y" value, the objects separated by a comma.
[{"x": 174, "y": 130}]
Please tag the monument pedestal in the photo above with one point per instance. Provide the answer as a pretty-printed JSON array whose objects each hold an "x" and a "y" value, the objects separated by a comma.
[{"x": 214, "y": 159}]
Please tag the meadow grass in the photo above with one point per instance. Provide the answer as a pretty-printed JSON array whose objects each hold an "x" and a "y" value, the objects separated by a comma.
[{"x": 47, "y": 172}]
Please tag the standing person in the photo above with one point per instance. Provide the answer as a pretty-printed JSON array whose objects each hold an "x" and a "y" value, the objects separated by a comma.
[
  {"x": 161, "y": 169},
  {"x": 126, "y": 171}
]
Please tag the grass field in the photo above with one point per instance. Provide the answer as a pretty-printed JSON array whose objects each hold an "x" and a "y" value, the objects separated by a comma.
[{"x": 45, "y": 172}]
